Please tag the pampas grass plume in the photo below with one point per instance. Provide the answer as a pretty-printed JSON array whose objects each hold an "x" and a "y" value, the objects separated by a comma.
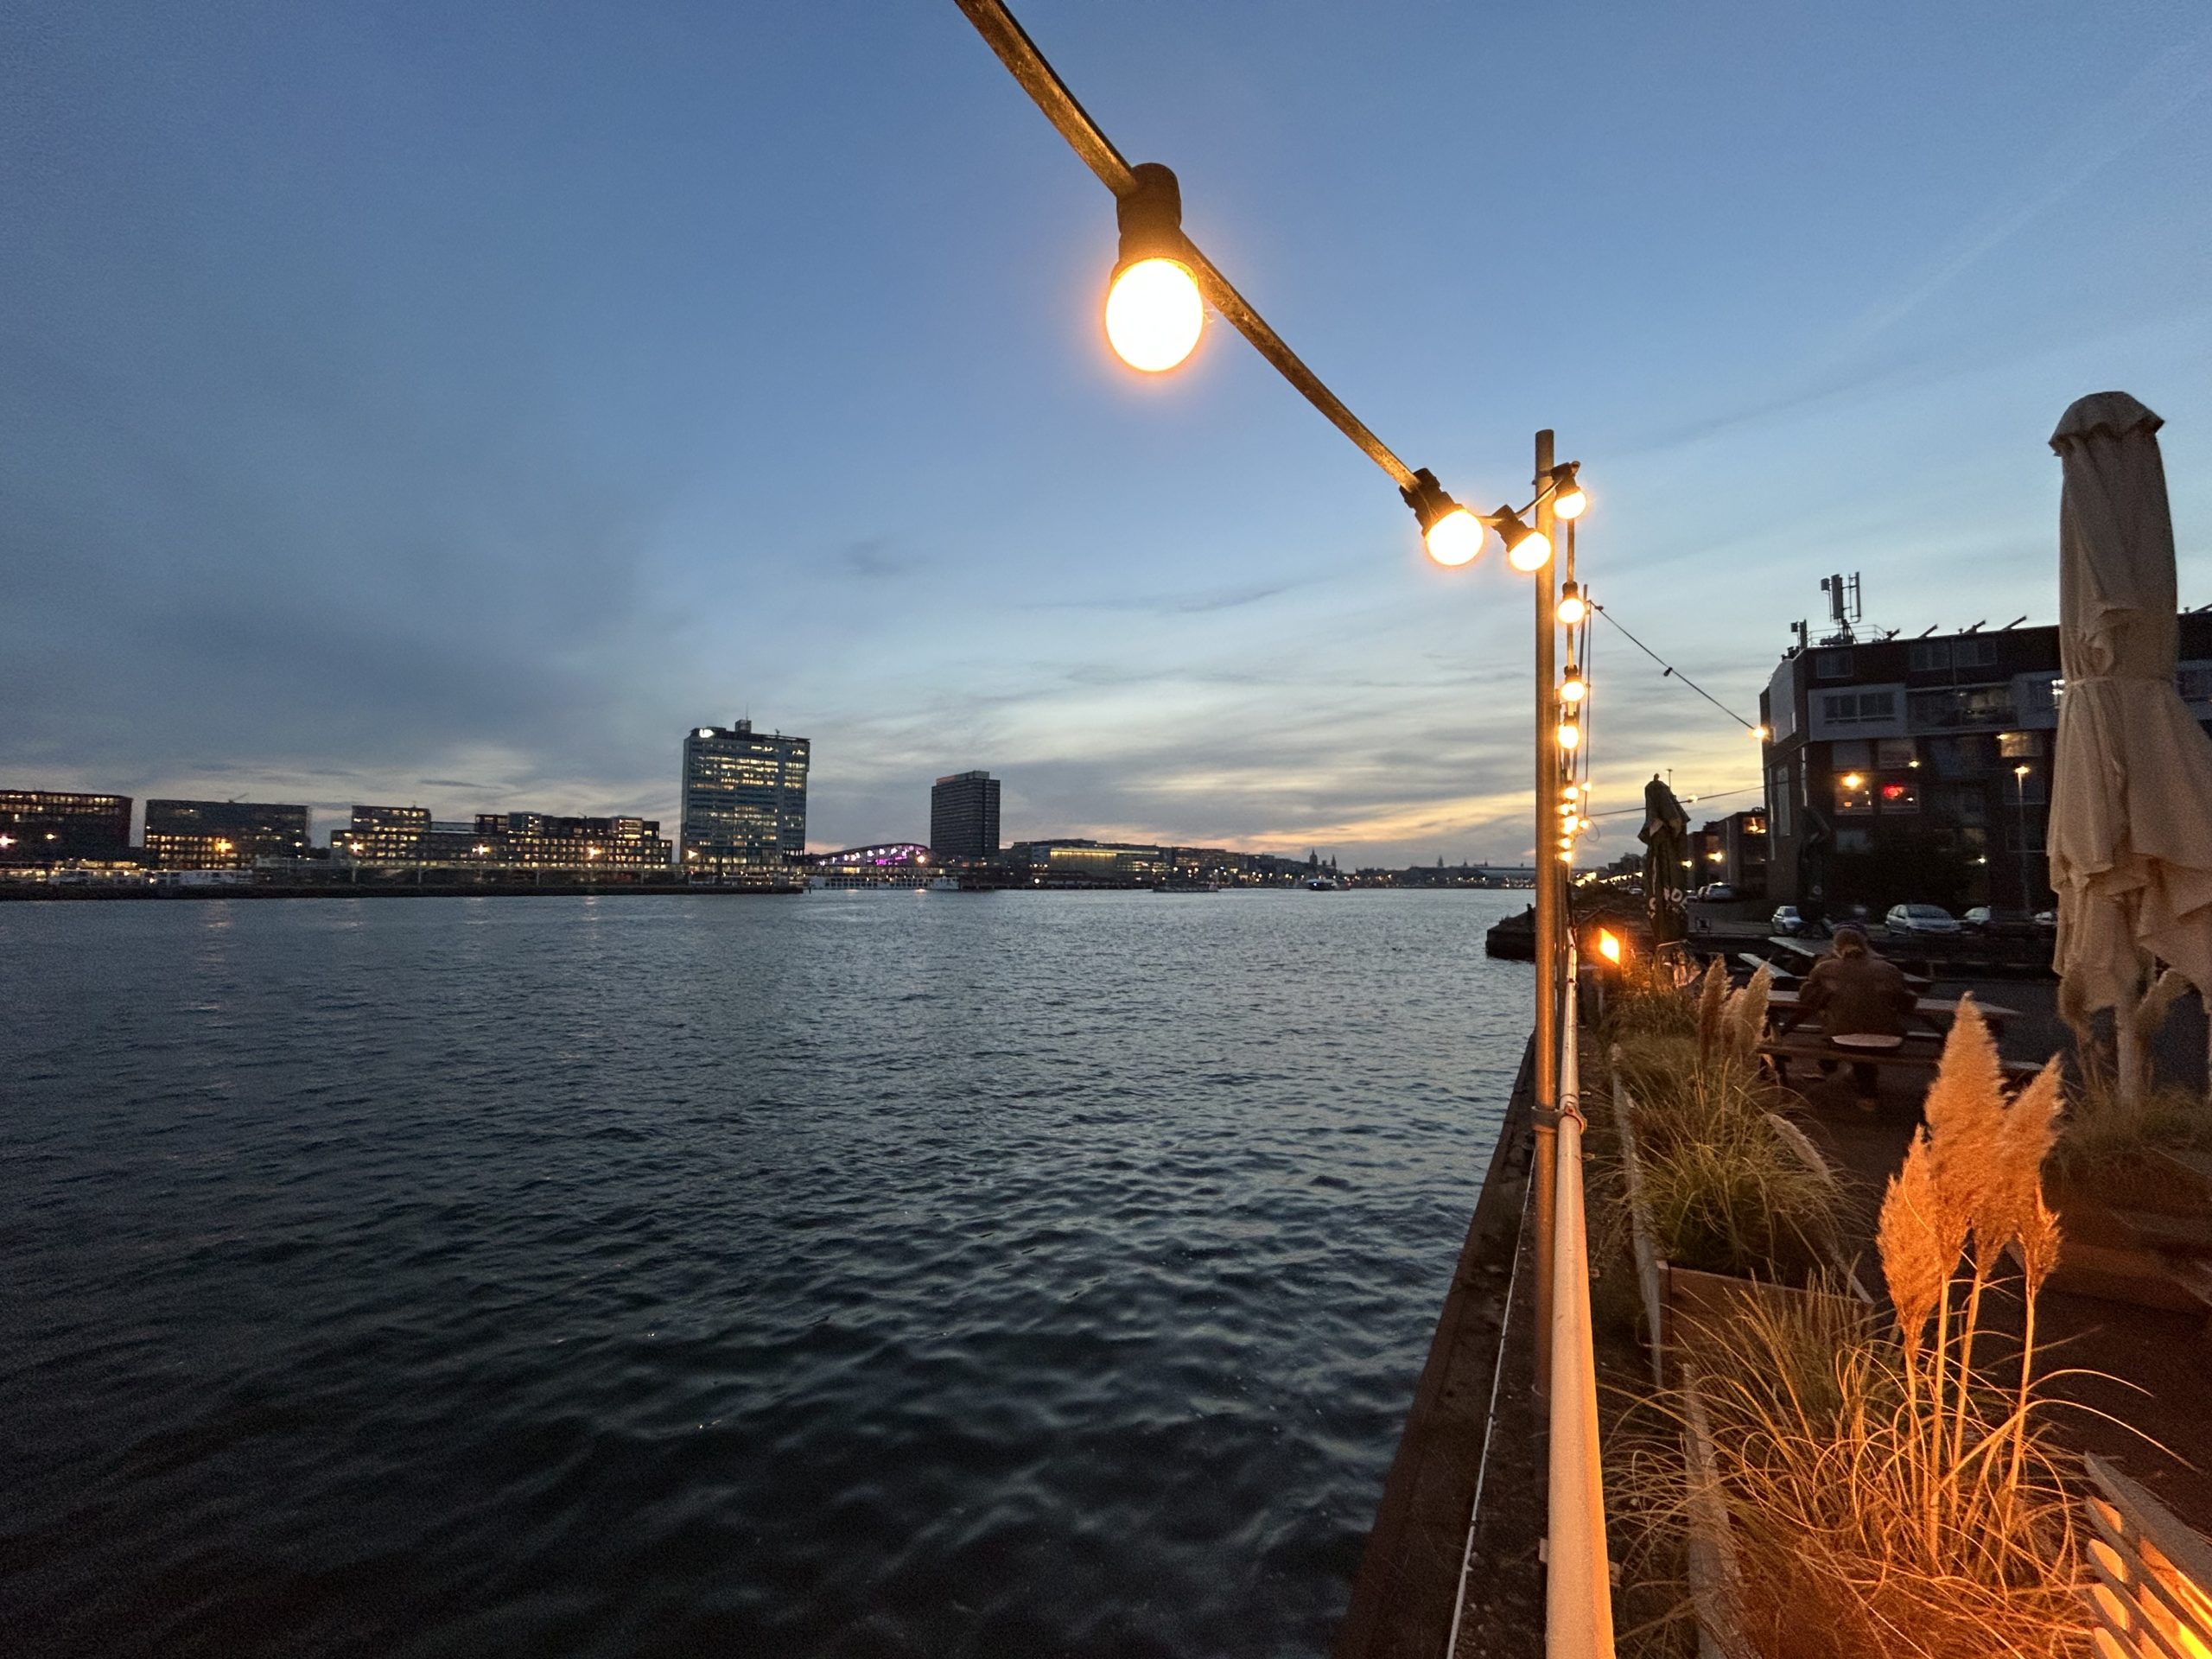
[
  {"x": 1914, "y": 1261},
  {"x": 1710, "y": 997}
]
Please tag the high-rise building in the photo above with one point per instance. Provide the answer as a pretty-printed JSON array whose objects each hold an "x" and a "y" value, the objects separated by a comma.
[
  {"x": 965, "y": 816},
  {"x": 223, "y": 834},
  {"x": 42, "y": 826},
  {"x": 744, "y": 798}
]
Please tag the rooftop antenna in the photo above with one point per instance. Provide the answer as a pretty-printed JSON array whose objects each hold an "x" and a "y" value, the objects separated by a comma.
[
  {"x": 1976, "y": 629},
  {"x": 2014, "y": 623},
  {"x": 1843, "y": 606},
  {"x": 1930, "y": 629}
]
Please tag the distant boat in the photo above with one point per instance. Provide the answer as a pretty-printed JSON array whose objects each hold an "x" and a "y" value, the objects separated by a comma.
[
  {"x": 945, "y": 884},
  {"x": 1186, "y": 887},
  {"x": 1322, "y": 883}
]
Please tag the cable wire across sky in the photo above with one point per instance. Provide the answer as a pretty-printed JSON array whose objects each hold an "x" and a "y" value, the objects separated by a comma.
[{"x": 1671, "y": 672}]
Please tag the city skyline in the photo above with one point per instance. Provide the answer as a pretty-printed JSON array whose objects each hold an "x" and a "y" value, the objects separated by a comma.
[{"x": 453, "y": 436}]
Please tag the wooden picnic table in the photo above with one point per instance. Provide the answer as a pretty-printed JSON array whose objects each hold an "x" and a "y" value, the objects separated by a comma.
[
  {"x": 1809, "y": 1045},
  {"x": 1935, "y": 1011}
]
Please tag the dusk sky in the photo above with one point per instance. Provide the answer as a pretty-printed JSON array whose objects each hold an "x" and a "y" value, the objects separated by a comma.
[{"x": 452, "y": 404}]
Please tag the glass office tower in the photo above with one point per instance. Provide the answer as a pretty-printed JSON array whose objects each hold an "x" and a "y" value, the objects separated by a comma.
[{"x": 744, "y": 799}]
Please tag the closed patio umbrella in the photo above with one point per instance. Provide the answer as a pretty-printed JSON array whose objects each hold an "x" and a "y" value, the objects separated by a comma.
[{"x": 2131, "y": 809}]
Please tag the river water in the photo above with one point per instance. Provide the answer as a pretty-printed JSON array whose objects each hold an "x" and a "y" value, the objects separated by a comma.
[{"x": 1010, "y": 1273}]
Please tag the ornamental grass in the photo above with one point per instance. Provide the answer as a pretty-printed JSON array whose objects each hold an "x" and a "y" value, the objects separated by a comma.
[
  {"x": 1725, "y": 1181},
  {"x": 1884, "y": 1493}
]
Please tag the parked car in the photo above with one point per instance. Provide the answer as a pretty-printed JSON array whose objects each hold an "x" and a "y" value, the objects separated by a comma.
[
  {"x": 1716, "y": 892},
  {"x": 1920, "y": 919},
  {"x": 2002, "y": 921},
  {"x": 1787, "y": 921}
]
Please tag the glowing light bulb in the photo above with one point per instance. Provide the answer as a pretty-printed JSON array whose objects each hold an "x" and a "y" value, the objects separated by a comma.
[
  {"x": 1760, "y": 733},
  {"x": 1573, "y": 688},
  {"x": 1609, "y": 946},
  {"x": 1455, "y": 538},
  {"x": 1570, "y": 736},
  {"x": 1154, "y": 314},
  {"x": 1582, "y": 823},
  {"x": 1852, "y": 780},
  {"x": 1531, "y": 550},
  {"x": 1572, "y": 501},
  {"x": 1573, "y": 607}
]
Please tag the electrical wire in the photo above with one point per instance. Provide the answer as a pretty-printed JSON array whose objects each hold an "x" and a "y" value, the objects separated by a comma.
[{"x": 1671, "y": 672}]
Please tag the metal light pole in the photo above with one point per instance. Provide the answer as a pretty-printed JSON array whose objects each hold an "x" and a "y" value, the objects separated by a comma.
[
  {"x": 2020, "y": 806},
  {"x": 1548, "y": 884}
]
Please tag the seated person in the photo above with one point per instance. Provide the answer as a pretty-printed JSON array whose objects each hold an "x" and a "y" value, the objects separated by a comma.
[{"x": 1857, "y": 994}]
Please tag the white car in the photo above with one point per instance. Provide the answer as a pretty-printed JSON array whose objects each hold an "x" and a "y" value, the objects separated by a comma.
[
  {"x": 1920, "y": 919},
  {"x": 1787, "y": 921}
]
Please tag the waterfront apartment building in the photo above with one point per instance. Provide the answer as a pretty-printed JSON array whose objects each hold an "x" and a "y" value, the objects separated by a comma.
[
  {"x": 744, "y": 799},
  {"x": 965, "y": 816},
  {"x": 1918, "y": 771},
  {"x": 223, "y": 834},
  {"x": 384, "y": 834},
  {"x": 408, "y": 836},
  {"x": 48, "y": 826},
  {"x": 540, "y": 841}
]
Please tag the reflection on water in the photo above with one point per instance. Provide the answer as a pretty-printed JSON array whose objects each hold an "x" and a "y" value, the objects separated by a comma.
[{"x": 939, "y": 1274}]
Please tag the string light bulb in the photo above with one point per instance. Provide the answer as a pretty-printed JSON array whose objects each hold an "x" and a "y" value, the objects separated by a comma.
[
  {"x": 1570, "y": 736},
  {"x": 1525, "y": 549},
  {"x": 1569, "y": 499},
  {"x": 1154, "y": 312},
  {"x": 1574, "y": 605},
  {"x": 1452, "y": 535},
  {"x": 1573, "y": 688}
]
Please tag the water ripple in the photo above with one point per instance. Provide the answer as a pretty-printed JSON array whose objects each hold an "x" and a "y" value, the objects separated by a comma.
[{"x": 850, "y": 1275}]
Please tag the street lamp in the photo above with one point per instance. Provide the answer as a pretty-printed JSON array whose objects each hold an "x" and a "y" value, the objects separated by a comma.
[{"x": 2020, "y": 807}]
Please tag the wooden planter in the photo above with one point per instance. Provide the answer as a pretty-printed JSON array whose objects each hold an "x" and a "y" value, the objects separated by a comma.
[{"x": 2138, "y": 1230}]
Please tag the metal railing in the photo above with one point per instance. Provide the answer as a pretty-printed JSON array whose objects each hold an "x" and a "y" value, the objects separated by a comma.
[
  {"x": 2153, "y": 1594},
  {"x": 1578, "y": 1579}
]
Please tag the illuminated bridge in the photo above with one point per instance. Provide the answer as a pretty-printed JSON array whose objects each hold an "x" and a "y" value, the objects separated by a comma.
[{"x": 888, "y": 864}]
